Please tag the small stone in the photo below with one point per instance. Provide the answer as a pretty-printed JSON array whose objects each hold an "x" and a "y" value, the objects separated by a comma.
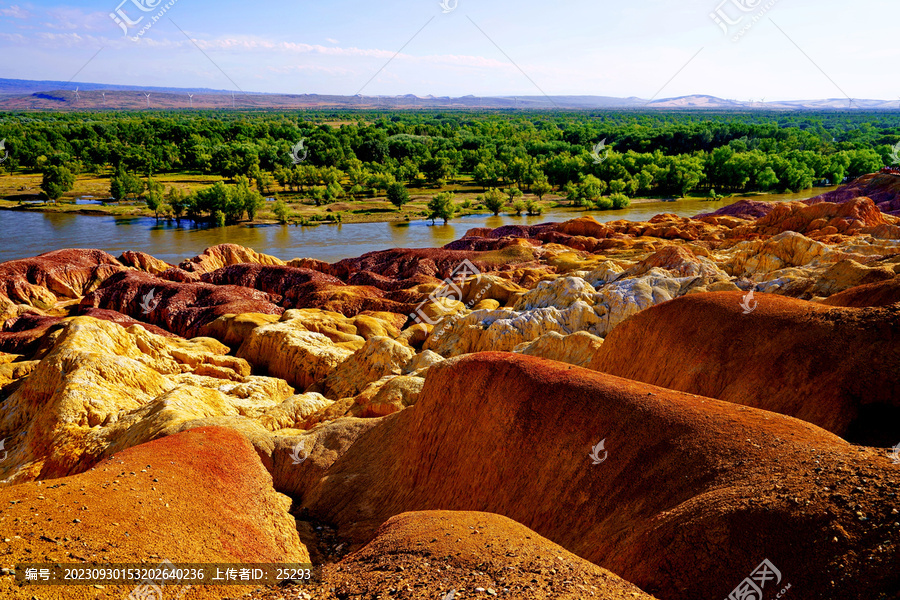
[
  {"x": 491, "y": 592},
  {"x": 76, "y": 520}
]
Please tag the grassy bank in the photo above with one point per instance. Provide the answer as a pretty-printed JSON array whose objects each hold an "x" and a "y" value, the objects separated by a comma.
[{"x": 21, "y": 191}]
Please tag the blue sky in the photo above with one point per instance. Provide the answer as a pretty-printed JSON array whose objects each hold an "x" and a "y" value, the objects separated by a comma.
[{"x": 823, "y": 49}]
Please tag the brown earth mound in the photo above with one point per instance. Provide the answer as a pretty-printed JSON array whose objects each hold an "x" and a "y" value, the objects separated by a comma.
[
  {"x": 681, "y": 477},
  {"x": 821, "y": 219},
  {"x": 431, "y": 553},
  {"x": 882, "y": 188},
  {"x": 46, "y": 279},
  {"x": 182, "y": 308},
  {"x": 881, "y": 293},
  {"x": 201, "y": 496},
  {"x": 407, "y": 263},
  {"x": 836, "y": 368}
]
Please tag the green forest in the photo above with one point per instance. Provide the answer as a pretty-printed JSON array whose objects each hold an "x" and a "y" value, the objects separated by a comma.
[{"x": 592, "y": 158}]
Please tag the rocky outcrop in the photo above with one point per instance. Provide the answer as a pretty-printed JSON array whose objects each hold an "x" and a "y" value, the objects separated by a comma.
[
  {"x": 100, "y": 388},
  {"x": 378, "y": 357},
  {"x": 182, "y": 308},
  {"x": 223, "y": 255},
  {"x": 465, "y": 551},
  {"x": 882, "y": 188},
  {"x": 201, "y": 496},
  {"x": 882, "y": 293},
  {"x": 144, "y": 262},
  {"x": 707, "y": 469},
  {"x": 580, "y": 348},
  {"x": 46, "y": 280},
  {"x": 836, "y": 368},
  {"x": 302, "y": 348}
]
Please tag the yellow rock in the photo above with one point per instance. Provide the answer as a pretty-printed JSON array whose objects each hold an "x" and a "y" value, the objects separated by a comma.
[
  {"x": 101, "y": 388},
  {"x": 290, "y": 351},
  {"x": 378, "y": 357},
  {"x": 232, "y": 330},
  {"x": 578, "y": 348}
]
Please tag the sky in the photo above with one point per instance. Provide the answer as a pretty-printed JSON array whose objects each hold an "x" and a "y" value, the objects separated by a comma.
[{"x": 736, "y": 49}]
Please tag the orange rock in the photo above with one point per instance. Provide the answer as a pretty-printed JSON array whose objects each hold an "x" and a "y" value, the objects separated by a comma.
[
  {"x": 680, "y": 477},
  {"x": 201, "y": 496},
  {"x": 836, "y": 368}
]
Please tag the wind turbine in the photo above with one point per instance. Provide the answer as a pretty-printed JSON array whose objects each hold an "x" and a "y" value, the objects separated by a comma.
[
  {"x": 191, "y": 96},
  {"x": 104, "y": 98},
  {"x": 148, "y": 100},
  {"x": 77, "y": 97},
  {"x": 232, "y": 99}
]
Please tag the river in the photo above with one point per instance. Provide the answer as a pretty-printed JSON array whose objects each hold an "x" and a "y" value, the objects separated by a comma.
[{"x": 27, "y": 234}]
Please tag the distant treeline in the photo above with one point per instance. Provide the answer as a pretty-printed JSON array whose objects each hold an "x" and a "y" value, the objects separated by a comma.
[{"x": 364, "y": 152}]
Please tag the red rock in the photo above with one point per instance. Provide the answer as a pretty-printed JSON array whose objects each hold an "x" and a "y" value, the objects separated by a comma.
[
  {"x": 881, "y": 293},
  {"x": 201, "y": 496},
  {"x": 182, "y": 308},
  {"x": 444, "y": 550},
  {"x": 59, "y": 275},
  {"x": 408, "y": 263},
  {"x": 742, "y": 209},
  {"x": 882, "y": 188},
  {"x": 837, "y": 368},
  {"x": 681, "y": 478}
]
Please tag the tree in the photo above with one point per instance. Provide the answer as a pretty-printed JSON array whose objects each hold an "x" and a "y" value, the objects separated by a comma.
[
  {"x": 436, "y": 170},
  {"x": 442, "y": 207},
  {"x": 57, "y": 181},
  {"x": 242, "y": 198},
  {"x": 591, "y": 188},
  {"x": 518, "y": 206},
  {"x": 281, "y": 211},
  {"x": 178, "y": 200},
  {"x": 493, "y": 201},
  {"x": 154, "y": 196},
  {"x": 768, "y": 179},
  {"x": 541, "y": 187},
  {"x": 397, "y": 194},
  {"x": 533, "y": 208},
  {"x": 124, "y": 184},
  {"x": 619, "y": 200},
  {"x": 513, "y": 193}
]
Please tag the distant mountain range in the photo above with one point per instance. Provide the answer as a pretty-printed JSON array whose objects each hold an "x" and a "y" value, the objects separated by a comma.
[{"x": 20, "y": 94}]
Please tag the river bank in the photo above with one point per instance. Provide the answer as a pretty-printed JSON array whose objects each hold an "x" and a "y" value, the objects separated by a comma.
[{"x": 31, "y": 232}]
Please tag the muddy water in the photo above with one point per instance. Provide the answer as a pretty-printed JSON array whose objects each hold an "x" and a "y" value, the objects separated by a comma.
[{"x": 28, "y": 234}]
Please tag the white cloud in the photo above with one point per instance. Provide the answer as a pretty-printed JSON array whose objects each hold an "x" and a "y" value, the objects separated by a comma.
[{"x": 15, "y": 12}]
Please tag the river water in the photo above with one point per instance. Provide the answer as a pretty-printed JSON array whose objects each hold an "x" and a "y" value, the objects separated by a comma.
[{"x": 24, "y": 234}]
